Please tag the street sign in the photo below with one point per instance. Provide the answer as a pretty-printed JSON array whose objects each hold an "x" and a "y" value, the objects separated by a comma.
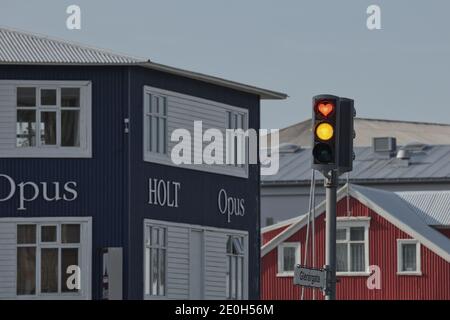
[{"x": 312, "y": 278}]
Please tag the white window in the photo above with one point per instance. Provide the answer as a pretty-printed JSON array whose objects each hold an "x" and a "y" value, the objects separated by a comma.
[
  {"x": 236, "y": 143},
  {"x": 155, "y": 124},
  {"x": 288, "y": 258},
  {"x": 48, "y": 257},
  {"x": 352, "y": 248},
  {"x": 155, "y": 260},
  {"x": 52, "y": 120},
  {"x": 408, "y": 257},
  {"x": 235, "y": 268}
]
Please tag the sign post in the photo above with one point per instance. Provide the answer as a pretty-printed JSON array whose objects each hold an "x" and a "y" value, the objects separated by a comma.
[{"x": 330, "y": 241}]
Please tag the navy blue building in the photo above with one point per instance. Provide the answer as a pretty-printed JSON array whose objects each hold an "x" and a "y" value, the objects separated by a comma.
[{"x": 92, "y": 205}]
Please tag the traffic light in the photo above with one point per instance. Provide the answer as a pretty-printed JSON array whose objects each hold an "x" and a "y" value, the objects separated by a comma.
[{"x": 333, "y": 133}]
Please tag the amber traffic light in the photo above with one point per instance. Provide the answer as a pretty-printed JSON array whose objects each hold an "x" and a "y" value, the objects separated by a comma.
[{"x": 333, "y": 134}]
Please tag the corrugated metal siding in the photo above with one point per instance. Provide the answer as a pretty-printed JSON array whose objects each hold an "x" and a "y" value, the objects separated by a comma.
[
  {"x": 8, "y": 260},
  {"x": 433, "y": 284},
  {"x": 19, "y": 47},
  {"x": 178, "y": 263},
  {"x": 101, "y": 180},
  {"x": 215, "y": 265}
]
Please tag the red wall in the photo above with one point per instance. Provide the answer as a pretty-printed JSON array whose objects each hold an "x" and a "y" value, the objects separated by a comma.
[
  {"x": 433, "y": 284},
  {"x": 269, "y": 235}
]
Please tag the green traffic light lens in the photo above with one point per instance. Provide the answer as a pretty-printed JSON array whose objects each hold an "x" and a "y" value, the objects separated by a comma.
[{"x": 323, "y": 153}]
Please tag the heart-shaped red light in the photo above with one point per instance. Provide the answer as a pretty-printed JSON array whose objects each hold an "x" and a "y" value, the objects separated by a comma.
[{"x": 325, "y": 108}]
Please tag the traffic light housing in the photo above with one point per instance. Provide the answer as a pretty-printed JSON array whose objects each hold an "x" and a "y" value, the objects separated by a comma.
[{"x": 333, "y": 133}]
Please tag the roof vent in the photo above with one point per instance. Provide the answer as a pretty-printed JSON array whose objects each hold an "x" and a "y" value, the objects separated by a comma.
[
  {"x": 384, "y": 146},
  {"x": 289, "y": 148},
  {"x": 403, "y": 154}
]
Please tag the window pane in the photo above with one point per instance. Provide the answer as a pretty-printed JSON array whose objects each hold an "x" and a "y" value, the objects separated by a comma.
[
  {"x": 26, "y": 233},
  {"x": 70, "y": 128},
  {"x": 230, "y": 245},
  {"x": 162, "y": 272},
  {"x": 409, "y": 257},
  {"x": 69, "y": 257},
  {"x": 227, "y": 278},
  {"x": 357, "y": 234},
  {"x": 162, "y": 237},
  {"x": 341, "y": 234},
  {"x": 150, "y": 133},
  {"x": 155, "y": 272},
  {"x": 162, "y": 135},
  {"x": 238, "y": 246},
  {"x": 26, "y": 271},
  {"x": 233, "y": 277},
  {"x": 70, "y": 233},
  {"x": 26, "y": 97},
  {"x": 147, "y": 270},
  {"x": 70, "y": 97},
  {"x": 240, "y": 276},
  {"x": 288, "y": 259},
  {"x": 48, "y": 234},
  {"x": 357, "y": 257},
  {"x": 155, "y": 236},
  {"x": 48, "y": 128},
  {"x": 26, "y": 128},
  {"x": 48, "y": 97},
  {"x": 341, "y": 257},
  {"x": 154, "y": 134},
  {"x": 49, "y": 270}
]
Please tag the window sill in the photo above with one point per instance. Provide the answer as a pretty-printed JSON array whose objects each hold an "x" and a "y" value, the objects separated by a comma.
[
  {"x": 352, "y": 274},
  {"x": 240, "y": 172},
  {"x": 409, "y": 273},
  {"x": 285, "y": 274}
]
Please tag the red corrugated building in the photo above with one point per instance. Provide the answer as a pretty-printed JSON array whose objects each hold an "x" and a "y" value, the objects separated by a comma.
[{"x": 396, "y": 244}]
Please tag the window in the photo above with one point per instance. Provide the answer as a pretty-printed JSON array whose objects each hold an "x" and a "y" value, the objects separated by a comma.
[
  {"x": 351, "y": 249},
  {"x": 236, "y": 143},
  {"x": 288, "y": 258},
  {"x": 155, "y": 123},
  {"x": 52, "y": 120},
  {"x": 235, "y": 268},
  {"x": 48, "y": 117},
  {"x": 44, "y": 254},
  {"x": 155, "y": 261},
  {"x": 408, "y": 257}
]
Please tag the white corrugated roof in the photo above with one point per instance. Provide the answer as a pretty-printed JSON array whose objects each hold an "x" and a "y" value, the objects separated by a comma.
[
  {"x": 432, "y": 206},
  {"x": 21, "y": 47},
  {"x": 388, "y": 205},
  {"x": 18, "y": 47}
]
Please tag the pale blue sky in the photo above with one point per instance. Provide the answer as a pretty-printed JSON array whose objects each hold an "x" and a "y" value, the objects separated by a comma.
[{"x": 301, "y": 47}]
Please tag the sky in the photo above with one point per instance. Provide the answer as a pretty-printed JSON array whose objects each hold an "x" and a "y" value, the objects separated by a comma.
[{"x": 300, "y": 47}]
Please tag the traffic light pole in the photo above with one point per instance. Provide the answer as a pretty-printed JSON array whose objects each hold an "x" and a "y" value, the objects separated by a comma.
[{"x": 331, "y": 182}]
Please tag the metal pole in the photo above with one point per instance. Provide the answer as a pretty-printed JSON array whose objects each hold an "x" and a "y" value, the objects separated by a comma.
[{"x": 330, "y": 228}]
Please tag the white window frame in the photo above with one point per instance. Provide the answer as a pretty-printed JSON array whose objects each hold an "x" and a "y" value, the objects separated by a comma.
[
  {"x": 150, "y": 296},
  {"x": 85, "y": 255},
  {"x": 154, "y": 155},
  {"x": 418, "y": 271},
  {"x": 280, "y": 249},
  {"x": 53, "y": 151},
  {"x": 165, "y": 159},
  {"x": 355, "y": 222},
  {"x": 239, "y": 257}
]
